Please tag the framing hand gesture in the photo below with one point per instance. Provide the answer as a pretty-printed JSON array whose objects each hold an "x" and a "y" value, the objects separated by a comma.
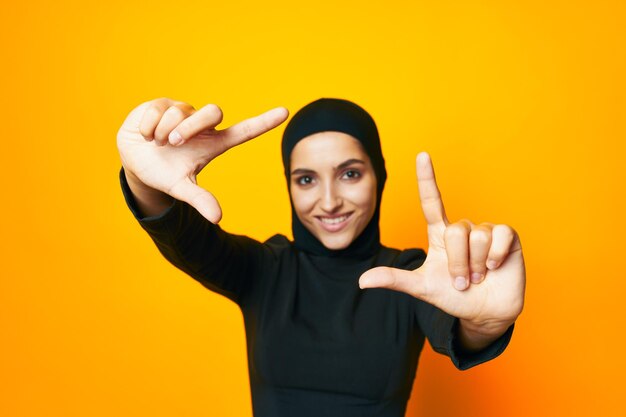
[
  {"x": 165, "y": 143},
  {"x": 473, "y": 272}
]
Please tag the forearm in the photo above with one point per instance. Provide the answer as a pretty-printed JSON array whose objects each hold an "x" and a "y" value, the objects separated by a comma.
[
  {"x": 150, "y": 202},
  {"x": 474, "y": 338}
]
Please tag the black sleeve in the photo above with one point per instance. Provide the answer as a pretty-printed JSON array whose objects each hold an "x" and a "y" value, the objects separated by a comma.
[
  {"x": 441, "y": 329},
  {"x": 222, "y": 262}
]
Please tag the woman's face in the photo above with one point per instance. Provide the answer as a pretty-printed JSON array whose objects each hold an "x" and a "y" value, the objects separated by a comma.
[{"x": 333, "y": 187}]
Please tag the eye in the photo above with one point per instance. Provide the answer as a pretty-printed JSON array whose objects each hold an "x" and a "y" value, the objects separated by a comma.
[
  {"x": 351, "y": 174},
  {"x": 304, "y": 180}
]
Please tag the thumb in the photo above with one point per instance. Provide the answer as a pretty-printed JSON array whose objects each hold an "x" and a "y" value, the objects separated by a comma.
[
  {"x": 199, "y": 198},
  {"x": 410, "y": 282}
]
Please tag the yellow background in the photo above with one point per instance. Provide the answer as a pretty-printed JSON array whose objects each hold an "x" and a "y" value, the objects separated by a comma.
[{"x": 521, "y": 105}]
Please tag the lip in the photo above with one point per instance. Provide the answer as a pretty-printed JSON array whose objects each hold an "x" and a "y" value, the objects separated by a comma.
[{"x": 332, "y": 228}]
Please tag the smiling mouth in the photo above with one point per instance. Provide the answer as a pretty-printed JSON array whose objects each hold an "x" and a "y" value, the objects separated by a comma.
[
  {"x": 334, "y": 220},
  {"x": 334, "y": 223}
]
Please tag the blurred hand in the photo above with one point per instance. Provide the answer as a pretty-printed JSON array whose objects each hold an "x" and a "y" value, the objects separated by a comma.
[
  {"x": 165, "y": 144},
  {"x": 473, "y": 272}
]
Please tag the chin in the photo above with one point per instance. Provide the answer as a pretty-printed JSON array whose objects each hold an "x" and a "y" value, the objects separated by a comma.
[{"x": 336, "y": 243}]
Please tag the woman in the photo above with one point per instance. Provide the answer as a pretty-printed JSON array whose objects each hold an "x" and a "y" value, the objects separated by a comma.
[{"x": 322, "y": 340}]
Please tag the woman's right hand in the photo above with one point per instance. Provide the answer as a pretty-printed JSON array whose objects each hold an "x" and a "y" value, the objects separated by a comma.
[{"x": 151, "y": 152}]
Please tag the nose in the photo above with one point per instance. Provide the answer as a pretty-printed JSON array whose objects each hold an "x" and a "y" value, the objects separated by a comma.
[{"x": 330, "y": 200}]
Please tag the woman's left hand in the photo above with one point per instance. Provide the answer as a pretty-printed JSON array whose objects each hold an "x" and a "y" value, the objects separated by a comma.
[{"x": 472, "y": 271}]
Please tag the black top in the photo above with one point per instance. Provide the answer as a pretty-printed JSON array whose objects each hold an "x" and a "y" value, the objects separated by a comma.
[{"x": 317, "y": 344}]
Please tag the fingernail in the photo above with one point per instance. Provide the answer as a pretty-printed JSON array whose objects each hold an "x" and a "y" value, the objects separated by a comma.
[
  {"x": 175, "y": 137},
  {"x": 476, "y": 277},
  {"x": 460, "y": 283},
  {"x": 491, "y": 264}
]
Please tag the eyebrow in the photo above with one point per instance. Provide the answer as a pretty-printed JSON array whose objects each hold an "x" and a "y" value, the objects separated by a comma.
[{"x": 339, "y": 167}]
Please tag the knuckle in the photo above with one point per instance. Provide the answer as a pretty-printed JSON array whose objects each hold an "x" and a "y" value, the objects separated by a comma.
[
  {"x": 154, "y": 109},
  {"x": 215, "y": 113},
  {"x": 246, "y": 131},
  {"x": 394, "y": 283},
  {"x": 505, "y": 230},
  {"x": 497, "y": 253},
  {"x": 146, "y": 131},
  {"x": 184, "y": 106},
  {"x": 496, "y": 257},
  {"x": 160, "y": 136},
  {"x": 455, "y": 231},
  {"x": 159, "y": 101},
  {"x": 465, "y": 222},
  {"x": 187, "y": 127},
  {"x": 479, "y": 267},
  {"x": 480, "y": 236},
  {"x": 175, "y": 111},
  {"x": 150, "y": 120}
]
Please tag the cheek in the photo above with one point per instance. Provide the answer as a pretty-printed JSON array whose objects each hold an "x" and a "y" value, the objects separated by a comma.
[
  {"x": 303, "y": 202},
  {"x": 364, "y": 196}
]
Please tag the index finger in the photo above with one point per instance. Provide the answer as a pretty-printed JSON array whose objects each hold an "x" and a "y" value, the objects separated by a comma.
[
  {"x": 253, "y": 127},
  {"x": 430, "y": 198}
]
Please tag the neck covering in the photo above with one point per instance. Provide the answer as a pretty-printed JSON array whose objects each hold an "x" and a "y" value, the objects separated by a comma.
[{"x": 332, "y": 114}]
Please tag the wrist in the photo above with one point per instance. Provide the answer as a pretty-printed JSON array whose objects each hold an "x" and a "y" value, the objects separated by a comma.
[
  {"x": 134, "y": 182},
  {"x": 474, "y": 337},
  {"x": 150, "y": 201}
]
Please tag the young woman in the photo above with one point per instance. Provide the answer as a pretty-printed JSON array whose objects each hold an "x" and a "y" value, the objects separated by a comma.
[{"x": 335, "y": 322}]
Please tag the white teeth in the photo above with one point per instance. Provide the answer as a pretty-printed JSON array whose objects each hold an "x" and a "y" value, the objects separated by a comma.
[{"x": 334, "y": 220}]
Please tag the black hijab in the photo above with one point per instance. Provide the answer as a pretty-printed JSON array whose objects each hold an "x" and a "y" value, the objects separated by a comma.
[{"x": 331, "y": 114}]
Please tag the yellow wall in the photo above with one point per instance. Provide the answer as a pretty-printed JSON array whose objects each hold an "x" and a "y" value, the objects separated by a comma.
[{"x": 521, "y": 105}]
